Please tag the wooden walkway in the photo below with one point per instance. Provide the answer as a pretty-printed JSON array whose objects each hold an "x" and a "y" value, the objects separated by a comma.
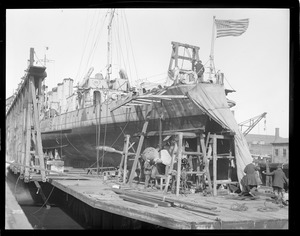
[
  {"x": 15, "y": 218},
  {"x": 99, "y": 194}
]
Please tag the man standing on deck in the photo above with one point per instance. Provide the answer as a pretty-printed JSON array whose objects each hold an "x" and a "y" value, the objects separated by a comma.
[
  {"x": 199, "y": 68},
  {"x": 279, "y": 179}
]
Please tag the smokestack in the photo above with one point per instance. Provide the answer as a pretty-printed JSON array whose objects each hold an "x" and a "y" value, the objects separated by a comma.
[{"x": 276, "y": 133}]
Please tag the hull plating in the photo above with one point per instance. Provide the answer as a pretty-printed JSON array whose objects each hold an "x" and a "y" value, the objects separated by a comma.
[{"x": 74, "y": 134}]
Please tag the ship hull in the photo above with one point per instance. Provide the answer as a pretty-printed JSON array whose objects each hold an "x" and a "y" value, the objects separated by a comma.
[{"x": 74, "y": 135}]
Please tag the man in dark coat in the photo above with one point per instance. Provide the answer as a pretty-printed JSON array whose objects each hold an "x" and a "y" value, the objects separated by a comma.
[
  {"x": 279, "y": 179},
  {"x": 199, "y": 69},
  {"x": 249, "y": 181}
]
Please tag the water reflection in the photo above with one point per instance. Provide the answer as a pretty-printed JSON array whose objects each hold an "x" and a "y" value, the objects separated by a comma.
[
  {"x": 39, "y": 216},
  {"x": 53, "y": 218}
]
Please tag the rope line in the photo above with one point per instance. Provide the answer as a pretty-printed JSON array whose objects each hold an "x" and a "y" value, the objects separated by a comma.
[
  {"x": 75, "y": 148},
  {"x": 44, "y": 202},
  {"x": 105, "y": 130}
]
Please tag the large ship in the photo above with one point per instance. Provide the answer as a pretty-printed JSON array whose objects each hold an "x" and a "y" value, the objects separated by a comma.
[{"x": 102, "y": 109}]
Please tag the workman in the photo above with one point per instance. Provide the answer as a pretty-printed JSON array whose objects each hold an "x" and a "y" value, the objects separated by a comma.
[
  {"x": 149, "y": 155},
  {"x": 148, "y": 165},
  {"x": 199, "y": 69},
  {"x": 162, "y": 161},
  {"x": 279, "y": 179},
  {"x": 249, "y": 181}
]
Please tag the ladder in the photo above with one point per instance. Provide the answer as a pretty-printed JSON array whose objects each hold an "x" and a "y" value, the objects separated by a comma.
[
  {"x": 200, "y": 153},
  {"x": 212, "y": 142}
]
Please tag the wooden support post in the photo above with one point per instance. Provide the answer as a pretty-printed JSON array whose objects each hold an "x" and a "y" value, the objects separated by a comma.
[
  {"x": 39, "y": 147},
  {"x": 28, "y": 137},
  {"x": 23, "y": 145},
  {"x": 160, "y": 133},
  {"x": 122, "y": 161},
  {"x": 20, "y": 135},
  {"x": 125, "y": 157},
  {"x": 207, "y": 140},
  {"x": 180, "y": 137},
  {"x": 215, "y": 166},
  {"x": 170, "y": 171},
  {"x": 141, "y": 141},
  {"x": 206, "y": 161}
]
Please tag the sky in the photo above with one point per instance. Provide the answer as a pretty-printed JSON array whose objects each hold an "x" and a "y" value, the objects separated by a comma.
[{"x": 255, "y": 64}]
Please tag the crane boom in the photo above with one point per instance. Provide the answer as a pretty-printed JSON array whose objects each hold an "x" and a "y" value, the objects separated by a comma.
[{"x": 252, "y": 123}]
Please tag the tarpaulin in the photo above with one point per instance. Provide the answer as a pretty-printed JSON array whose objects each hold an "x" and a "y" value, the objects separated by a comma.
[{"x": 212, "y": 100}]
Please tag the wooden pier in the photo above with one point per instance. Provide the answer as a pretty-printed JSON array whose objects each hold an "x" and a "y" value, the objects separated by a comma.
[{"x": 99, "y": 194}]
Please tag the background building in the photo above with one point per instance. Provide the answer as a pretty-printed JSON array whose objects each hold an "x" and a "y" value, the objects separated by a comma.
[{"x": 273, "y": 147}]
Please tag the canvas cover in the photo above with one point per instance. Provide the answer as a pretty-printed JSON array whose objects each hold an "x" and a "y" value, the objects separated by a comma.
[{"x": 211, "y": 99}]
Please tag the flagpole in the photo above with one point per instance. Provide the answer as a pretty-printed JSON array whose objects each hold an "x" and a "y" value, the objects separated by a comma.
[{"x": 211, "y": 57}]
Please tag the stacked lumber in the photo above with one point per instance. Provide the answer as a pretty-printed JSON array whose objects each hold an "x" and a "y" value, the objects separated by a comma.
[{"x": 155, "y": 201}]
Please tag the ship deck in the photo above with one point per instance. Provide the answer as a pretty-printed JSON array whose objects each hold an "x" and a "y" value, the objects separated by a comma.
[{"x": 100, "y": 194}]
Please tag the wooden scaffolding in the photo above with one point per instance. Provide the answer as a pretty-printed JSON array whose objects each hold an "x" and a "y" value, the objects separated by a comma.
[{"x": 24, "y": 143}]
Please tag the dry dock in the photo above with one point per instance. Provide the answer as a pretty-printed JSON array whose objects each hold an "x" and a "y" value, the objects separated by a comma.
[{"x": 99, "y": 194}]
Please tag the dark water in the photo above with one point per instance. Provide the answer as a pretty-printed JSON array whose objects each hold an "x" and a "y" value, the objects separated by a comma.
[
  {"x": 53, "y": 218},
  {"x": 38, "y": 215}
]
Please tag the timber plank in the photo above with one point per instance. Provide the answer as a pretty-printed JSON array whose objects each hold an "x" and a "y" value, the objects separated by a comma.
[
  {"x": 100, "y": 195},
  {"x": 251, "y": 214},
  {"x": 139, "y": 201}
]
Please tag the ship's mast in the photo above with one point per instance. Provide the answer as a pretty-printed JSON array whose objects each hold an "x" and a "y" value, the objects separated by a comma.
[
  {"x": 109, "y": 45},
  {"x": 211, "y": 57}
]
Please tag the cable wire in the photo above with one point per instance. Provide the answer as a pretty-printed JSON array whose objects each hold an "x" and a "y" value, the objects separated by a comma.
[{"x": 44, "y": 202}]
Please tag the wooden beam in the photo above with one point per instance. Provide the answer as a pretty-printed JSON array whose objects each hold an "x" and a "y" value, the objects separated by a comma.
[
  {"x": 39, "y": 146},
  {"x": 198, "y": 177},
  {"x": 171, "y": 132},
  {"x": 190, "y": 208},
  {"x": 28, "y": 134},
  {"x": 186, "y": 58},
  {"x": 139, "y": 201},
  {"x": 23, "y": 142},
  {"x": 185, "y": 45},
  {"x": 215, "y": 165},
  {"x": 192, "y": 153},
  {"x": 138, "y": 102},
  {"x": 195, "y": 172},
  {"x": 170, "y": 171},
  {"x": 141, "y": 141},
  {"x": 122, "y": 161},
  {"x": 145, "y": 197},
  {"x": 125, "y": 157},
  {"x": 147, "y": 100},
  {"x": 160, "y": 133},
  {"x": 180, "y": 149},
  {"x": 219, "y": 136}
]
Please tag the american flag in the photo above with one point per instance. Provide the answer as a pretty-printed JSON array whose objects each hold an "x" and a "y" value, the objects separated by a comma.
[{"x": 231, "y": 27}]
